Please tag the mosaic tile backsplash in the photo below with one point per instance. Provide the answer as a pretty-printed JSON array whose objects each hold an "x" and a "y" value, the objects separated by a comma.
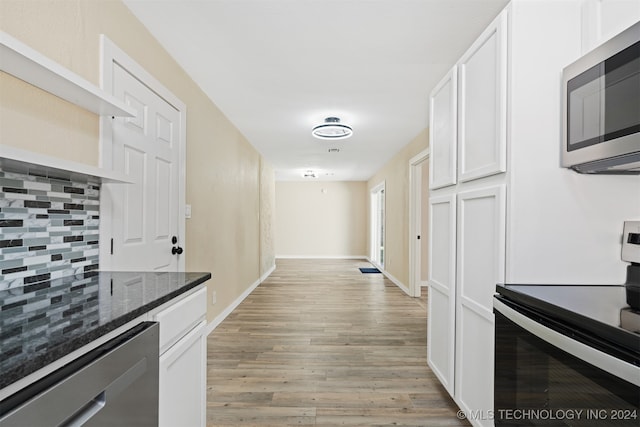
[{"x": 49, "y": 228}]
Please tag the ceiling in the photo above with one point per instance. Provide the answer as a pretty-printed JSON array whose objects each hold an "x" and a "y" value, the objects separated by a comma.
[{"x": 276, "y": 68}]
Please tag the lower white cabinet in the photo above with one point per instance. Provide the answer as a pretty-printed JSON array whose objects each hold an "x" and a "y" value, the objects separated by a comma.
[
  {"x": 442, "y": 288},
  {"x": 467, "y": 232},
  {"x": 481, "y": 225},
  {"x": 183, "y": 381},
  {"x": 183, "y": 362}
]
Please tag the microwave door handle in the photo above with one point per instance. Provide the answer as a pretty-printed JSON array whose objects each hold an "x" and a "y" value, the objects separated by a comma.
[{"x": 606, "y": 362}]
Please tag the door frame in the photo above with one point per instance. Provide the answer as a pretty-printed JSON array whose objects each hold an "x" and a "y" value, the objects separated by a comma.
[
  {"x": 374, "y": 247},
  {"x": 110, "y": 53},
  {"x": 415, "y": 216}
]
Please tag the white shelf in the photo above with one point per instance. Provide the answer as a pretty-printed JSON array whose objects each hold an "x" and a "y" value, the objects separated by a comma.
[
  {"x": 23, "y": 62},
  {"x": 26, "y": 162}
]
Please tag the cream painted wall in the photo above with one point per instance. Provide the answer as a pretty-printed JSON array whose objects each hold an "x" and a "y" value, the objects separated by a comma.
[
  {"x": 395, "y": 174},
  {"x": 228, "y": 185},
  {"x": 267, "y": 216},
  {"x": 321, "y": 219}
]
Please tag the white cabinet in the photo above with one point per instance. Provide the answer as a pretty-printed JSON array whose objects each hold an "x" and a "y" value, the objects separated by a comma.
[
  {"x": 467, "y": 218},
  {"x": 518, "y": 216},
  {"x": 442, "y": 288},
  {"x": 480, "y": 265},
  {"x": 442, "y": 131},
  {"x": 482, "y": 104},
  {"x": 603, "y": 19},
  {"x": 183, "y": 381},
  {"x": 183, "y": 360},
  {"x": 468, "y": 131}
]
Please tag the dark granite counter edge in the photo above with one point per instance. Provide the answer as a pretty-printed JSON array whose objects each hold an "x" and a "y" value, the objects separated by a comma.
[{"x": 70, "y": 346}]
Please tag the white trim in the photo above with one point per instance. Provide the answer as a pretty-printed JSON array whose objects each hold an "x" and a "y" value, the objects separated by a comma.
[
  {"x": 415, "y": 214},
  {"x": 421, "y": 156},
  {"x": 227, "y": 311},
  {"x": 373, "y": 222},
  {"x": 390, "y": 276},
  {"x": 321, "y": 257},
  {"x": 396, "y": 282},
  {"x": 110, "y": 53}
]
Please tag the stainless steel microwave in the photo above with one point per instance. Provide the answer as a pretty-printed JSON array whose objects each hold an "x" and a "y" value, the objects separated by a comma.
[{"x": 601, "y": 108}]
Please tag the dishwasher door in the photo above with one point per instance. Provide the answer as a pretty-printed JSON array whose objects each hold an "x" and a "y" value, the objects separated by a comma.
[{"x": 115, "y": 384}]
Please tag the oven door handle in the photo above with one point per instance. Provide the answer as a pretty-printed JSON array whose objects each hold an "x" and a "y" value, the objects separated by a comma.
[{"x": 604, "y": 361}]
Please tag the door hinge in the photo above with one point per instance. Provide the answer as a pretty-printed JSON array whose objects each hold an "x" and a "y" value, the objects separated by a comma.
[{"x": 111, "y": 246}]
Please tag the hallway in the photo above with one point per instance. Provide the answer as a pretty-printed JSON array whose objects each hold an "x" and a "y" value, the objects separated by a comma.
[{"x": 319, "y": 343}]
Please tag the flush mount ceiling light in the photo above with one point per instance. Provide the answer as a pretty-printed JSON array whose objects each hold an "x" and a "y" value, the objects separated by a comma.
[{"x": 332, "y": 129}]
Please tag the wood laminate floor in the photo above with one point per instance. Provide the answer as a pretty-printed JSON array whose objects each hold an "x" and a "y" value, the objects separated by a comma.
[{"x": 319, "y": 343}]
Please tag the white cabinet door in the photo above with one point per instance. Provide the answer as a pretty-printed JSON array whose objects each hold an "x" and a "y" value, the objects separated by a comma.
[
  {"x": 482, "y": 131},
  {"x": 183, "y": 379},
  {"x": 442, "y": 131},
  {"x": 603, "y": 19},
  {"x": 480, "y": 265},
  {"x": 442, "y": 282}
]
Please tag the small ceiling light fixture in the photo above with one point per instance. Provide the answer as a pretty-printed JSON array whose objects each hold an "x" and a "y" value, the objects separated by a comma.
[
  {"x": 332, "y": 129},
  {"x": 309, "y": 174}
]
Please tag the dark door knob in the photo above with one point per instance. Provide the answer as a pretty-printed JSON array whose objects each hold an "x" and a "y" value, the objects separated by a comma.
[
  {"x": 174, "y": 240},
  {"x": 177, "y": 250}
]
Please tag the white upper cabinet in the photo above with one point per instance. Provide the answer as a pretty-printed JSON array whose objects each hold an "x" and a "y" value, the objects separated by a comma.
[
  {"x": 482, "y": 99},
  {"x": 442, "y": 128},
  {"x": 603, "y": 19}
]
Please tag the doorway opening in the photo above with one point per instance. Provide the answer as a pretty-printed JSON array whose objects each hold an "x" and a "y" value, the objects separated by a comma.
[
  {"x": 377, "y": 254},
  {"x": 418, "y": 222}
]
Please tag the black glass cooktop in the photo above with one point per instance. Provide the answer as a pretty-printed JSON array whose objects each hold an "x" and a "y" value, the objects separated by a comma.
[{"x": 599, "y": 310}]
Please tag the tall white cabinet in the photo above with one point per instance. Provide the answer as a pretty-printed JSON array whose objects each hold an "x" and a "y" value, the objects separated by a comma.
[
  {"x": 467, "y": 216},
  {"x": 501, "y": 208}
]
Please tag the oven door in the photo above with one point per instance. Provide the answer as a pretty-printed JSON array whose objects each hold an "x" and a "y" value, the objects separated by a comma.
[{"x": 545, "y": 378}]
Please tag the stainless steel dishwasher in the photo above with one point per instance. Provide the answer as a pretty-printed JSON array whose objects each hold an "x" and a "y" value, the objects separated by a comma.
[{"x": 115, "y": 384}]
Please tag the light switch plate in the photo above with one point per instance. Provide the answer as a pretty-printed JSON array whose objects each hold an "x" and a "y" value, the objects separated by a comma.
[{"x": 187, "y": 211}]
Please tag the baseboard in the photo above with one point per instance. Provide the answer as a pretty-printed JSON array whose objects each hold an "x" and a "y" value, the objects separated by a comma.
[
  {"x": 227, "y": 311},
  {"x": 321, "y": 257},
  {"x": 397, "y": 282},
  {"x": 389, "y": 276}
]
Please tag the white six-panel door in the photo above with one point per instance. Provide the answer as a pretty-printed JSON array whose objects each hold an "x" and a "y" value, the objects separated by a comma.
[
  {"x": 140, "y": 220},
  {"x": 145, "y": 147}
]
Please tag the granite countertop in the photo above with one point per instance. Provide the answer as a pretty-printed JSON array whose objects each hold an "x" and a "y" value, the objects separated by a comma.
[{"x": 42, "y": 322}]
